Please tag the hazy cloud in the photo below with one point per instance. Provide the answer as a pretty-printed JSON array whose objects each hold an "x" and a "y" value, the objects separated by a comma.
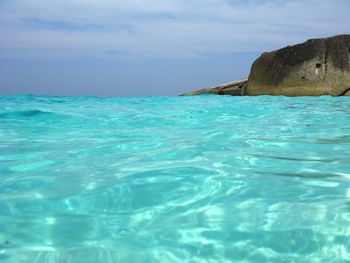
[
  {"x": 57, "y": 25},
  {"x": 164, "y": 28}
]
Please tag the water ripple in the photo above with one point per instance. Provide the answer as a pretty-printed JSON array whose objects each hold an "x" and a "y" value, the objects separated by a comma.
[{"x": 161, "y": 179}]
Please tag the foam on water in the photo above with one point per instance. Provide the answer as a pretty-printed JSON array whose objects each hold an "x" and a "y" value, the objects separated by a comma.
[{"x": 174, "y": 179}]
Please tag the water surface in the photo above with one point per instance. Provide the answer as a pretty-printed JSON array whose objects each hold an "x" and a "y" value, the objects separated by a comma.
[{"x": 174, "y": 179}]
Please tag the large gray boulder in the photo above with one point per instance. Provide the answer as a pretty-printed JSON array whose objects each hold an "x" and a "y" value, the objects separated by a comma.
[{"x": 316, "y": 67}]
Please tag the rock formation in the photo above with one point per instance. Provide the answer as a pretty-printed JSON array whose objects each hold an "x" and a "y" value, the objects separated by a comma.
[
  {"x": 316, "y": 67},
  {"x": 233, "y": 88}
]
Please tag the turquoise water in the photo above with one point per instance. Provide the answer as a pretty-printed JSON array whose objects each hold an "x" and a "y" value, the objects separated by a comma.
[{"x": 174, "y": 179}]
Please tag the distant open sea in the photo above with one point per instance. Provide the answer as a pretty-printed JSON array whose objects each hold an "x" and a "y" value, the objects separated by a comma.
[{"x": 174, "y": 179}]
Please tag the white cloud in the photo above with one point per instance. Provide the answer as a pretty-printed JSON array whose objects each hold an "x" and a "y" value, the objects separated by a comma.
[{"x": 166, "y": 28}]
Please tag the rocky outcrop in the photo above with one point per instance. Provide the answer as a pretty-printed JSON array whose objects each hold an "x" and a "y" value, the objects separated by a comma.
[
  {"x": 316, "y": 67},
  {"x": 233, "y": 88}
]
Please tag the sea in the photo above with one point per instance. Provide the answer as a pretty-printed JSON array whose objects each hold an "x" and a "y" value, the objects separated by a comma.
[{"x": 174, "y": 179}]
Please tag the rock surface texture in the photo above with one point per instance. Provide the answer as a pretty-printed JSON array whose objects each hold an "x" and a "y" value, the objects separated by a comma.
[
  {"x": 316, "y": 67},
  {"x": 233, "y": 88}
]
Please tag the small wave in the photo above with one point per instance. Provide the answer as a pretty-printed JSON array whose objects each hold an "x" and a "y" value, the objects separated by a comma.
[
  {"x": 29, "y": 114},
  {"x": 23, "y": 114}
]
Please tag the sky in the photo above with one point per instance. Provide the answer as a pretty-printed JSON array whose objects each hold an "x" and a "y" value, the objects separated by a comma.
[{"x": 149, "y": 47}]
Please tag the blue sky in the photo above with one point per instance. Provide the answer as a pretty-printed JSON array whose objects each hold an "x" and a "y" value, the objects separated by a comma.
[{"x": 149, "y": 47}]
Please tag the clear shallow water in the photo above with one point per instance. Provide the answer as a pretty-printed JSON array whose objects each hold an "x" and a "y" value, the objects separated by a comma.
[{"x": 174, "y": 179}]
